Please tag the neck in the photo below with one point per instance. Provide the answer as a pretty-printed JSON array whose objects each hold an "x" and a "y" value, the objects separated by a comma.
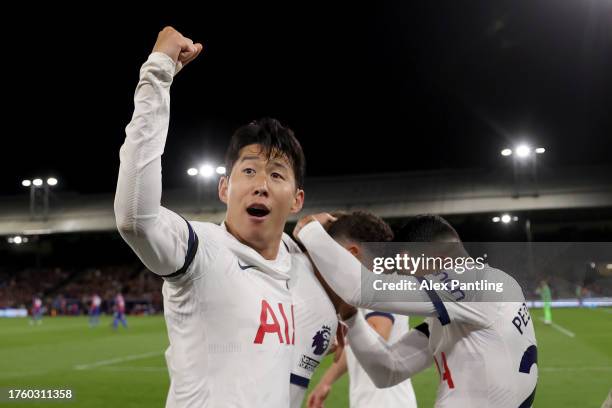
[
  {"x": 269, "y": 252},
  {"x": 268, "y": 249}
]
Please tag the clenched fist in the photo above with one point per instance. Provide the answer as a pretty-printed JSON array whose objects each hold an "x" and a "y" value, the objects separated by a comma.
[{"x": 181, "y": 49}]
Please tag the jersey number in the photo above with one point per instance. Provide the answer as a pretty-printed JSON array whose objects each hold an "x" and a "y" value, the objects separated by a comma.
[{"x": 530, "y": 357}]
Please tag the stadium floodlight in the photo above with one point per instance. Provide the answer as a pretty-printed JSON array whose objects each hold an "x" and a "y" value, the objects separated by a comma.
[
  {"x": 523, "y": 151},
  {"x": 207, "y": 170},
  {"x": 39, "y": 197},
  {"x": 505, "y": 218},
  {"x": 17, "y": 240},
  {"x": 220, "y": 170},
  {"x": 192, "y": 171}
]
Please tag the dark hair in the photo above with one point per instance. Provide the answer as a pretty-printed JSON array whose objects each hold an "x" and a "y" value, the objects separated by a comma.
[
  {"x": 426, "y": 228},
  {"x": 274, "y": 139},
  {"x": 360, "y": 226}
]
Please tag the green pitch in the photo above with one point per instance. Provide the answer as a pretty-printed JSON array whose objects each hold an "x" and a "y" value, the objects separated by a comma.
[{"x": 127, "y": 369}]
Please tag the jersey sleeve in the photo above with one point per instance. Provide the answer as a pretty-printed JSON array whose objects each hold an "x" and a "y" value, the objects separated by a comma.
[
  {"x": 162, "y": 239},
  {"x": 354, "y": 284},
  {"x": 388, "y": 364},
  {"x": 367, "y": 313},
  {"x": 346, "y": 276}
]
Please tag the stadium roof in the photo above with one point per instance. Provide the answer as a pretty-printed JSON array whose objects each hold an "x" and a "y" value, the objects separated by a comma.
[{"x": 388, "y": 195}]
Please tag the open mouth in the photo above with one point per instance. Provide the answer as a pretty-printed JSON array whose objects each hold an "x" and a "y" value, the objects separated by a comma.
[{"x": 258, "y": 210}]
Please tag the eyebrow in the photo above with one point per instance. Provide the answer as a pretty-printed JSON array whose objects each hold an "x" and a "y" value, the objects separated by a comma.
[
  {"x": 275, "y": 163},
  {"x": 252, "y": 157}
]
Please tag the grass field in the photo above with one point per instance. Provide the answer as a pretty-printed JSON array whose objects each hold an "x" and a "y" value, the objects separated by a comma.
[{"x": 126, "y": 368}]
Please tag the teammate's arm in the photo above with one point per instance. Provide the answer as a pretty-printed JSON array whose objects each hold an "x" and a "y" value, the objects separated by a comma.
[
  {"x": 382, "y": 325},
  {"x": 323, "y": 388},
  {"x": 159, "y": 237},
  {"x": 389, "y": 364},
  {"x": 343, "y": 272}
]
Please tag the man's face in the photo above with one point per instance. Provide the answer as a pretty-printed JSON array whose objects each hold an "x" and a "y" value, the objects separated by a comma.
[{"x": 260, "y": 194}]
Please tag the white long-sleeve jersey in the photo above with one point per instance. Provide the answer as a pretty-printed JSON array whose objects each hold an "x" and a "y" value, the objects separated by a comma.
[{"x": 228, "y": 311}]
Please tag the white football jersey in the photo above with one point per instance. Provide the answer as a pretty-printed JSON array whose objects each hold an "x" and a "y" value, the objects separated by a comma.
[
  {"x": 228, "y": 310},
  {"x": 315, "y": 326},
  {"x": 362, "y": 391},
  {"x": 489, "y": 362},
  {"x": 231, "y": 324}
]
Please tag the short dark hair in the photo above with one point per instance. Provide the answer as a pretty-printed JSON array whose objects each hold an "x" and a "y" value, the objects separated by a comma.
[
  {"x": 274, "y": 139},
  {"x": 360, "y": 226},
  {"x": 426, "y": 228}
]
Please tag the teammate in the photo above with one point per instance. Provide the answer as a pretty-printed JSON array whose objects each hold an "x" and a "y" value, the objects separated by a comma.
[
  {"x": 483, "y": 346},
  {"x": 351, "y": 230},
  {"x": 227, "y": 296}
]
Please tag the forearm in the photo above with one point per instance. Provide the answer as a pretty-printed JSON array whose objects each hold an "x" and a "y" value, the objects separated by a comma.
[
  {"x": 346, "y": 275},
  {"x": 139, "y": 186},
  {"x": 335, "y": 371},
  {"x": 388, "y": 364},
  {"x": 157, "y": 235}
]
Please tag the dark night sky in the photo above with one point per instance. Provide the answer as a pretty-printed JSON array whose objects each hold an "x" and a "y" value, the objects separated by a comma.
[{"x": 401, "y": 87}]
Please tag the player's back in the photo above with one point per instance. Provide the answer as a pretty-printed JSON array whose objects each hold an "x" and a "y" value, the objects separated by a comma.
[{"x": 488, "y": 363}]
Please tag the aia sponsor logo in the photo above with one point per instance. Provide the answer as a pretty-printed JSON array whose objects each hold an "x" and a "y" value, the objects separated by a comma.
[{"x": 270, "y": 324}]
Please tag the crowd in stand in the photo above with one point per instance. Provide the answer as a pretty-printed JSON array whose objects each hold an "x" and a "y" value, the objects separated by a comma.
[{"x": 69, "y": 292}]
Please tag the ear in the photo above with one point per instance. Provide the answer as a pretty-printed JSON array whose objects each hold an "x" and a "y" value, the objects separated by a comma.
[
  {"x": 298, "y": 201},
  {"x": 223, "y": 186},
  {"x": 353, "y": 249}
]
